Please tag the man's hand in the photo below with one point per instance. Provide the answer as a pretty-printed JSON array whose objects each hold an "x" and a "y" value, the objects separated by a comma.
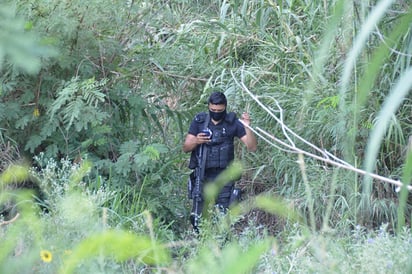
[
  {"x": 202, "y": 138},
  {"x": 192, "y": 141},
  {"x": 249, "y": 139},
  {"x": 245, "y": 118}
]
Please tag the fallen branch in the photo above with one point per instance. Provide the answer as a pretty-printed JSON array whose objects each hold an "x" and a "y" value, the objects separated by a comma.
[
  {"x": 11, "y": 220},
  {"x": 290, "y": 146}
]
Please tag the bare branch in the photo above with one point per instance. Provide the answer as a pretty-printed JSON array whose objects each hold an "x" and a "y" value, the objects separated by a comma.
[
  {"x": 11, "y": 220},
  {"x": 290, "y": 146}
]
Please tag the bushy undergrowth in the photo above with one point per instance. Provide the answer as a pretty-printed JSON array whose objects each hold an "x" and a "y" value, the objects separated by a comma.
[
  {"x": 360, "y": 252},
  {"x": 116, "y": 82},
  {"x": 71, "y": 232},
  {"x": 67, "y": 229}
]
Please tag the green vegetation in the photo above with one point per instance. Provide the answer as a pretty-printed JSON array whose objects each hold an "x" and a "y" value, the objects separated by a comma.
[{"x": 96, "y": 97}]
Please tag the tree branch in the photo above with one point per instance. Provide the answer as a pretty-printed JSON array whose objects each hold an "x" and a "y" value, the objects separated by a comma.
[
  {"x": 291, "y": 147},
  {"x": 11, "y": 220}
]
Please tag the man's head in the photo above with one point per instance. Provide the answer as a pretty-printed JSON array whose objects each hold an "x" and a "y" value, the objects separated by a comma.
[
  {"x": 217, "y": 105},
  {"x": 217, "y": 98}
]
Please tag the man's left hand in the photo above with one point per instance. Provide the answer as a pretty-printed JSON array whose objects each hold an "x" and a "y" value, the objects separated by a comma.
[{"x": 245, "y": 118}]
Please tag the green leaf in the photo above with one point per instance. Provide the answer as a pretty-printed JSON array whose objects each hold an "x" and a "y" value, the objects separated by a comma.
[
  {"x": 18, "y": 44},
  {"x": 33, "y": 142},
  {"x": 231, "y": 259},
  {"x": 130, "y": 147},
  {"x": 120, "y": 246},
  {"x": 14, "y": 174}
]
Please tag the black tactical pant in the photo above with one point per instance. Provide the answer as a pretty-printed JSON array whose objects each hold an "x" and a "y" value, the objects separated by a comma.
[
  {"x": 223, "y": 197},
  {"x": 222, "y": 201}
]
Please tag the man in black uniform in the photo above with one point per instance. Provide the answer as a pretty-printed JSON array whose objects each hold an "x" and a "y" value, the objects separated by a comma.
[{"x": 221, "y": 129}]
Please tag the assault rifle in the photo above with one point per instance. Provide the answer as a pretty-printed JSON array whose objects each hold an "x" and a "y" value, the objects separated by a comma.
[{"x": 197, "y": 189}]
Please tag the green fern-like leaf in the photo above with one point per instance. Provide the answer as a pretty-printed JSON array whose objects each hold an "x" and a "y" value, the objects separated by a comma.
[
  {"x": 77, "y": 103},
  {"x": 129, "y": 147}
]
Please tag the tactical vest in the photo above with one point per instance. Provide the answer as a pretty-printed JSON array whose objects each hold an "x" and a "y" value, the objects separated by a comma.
[{"x": 220, "y": 151}]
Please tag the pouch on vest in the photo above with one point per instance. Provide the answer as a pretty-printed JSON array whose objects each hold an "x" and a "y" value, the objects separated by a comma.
[
  {"x": 203, "y": 118},
  {"x": 191, "y": 185}
]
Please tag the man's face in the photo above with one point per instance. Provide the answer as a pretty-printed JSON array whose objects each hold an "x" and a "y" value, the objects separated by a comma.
[
  {"x": 217, "y": 112},
  {"x": 217, "y": 108}
]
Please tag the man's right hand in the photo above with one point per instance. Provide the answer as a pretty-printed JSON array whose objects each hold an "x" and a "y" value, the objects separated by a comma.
[
  {"x": 202, "y": 138},
  {"x": 192, "y": 141}
]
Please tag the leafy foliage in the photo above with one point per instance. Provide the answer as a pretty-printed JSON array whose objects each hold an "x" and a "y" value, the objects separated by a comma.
[
  {"x": 19, "y": 48},
  {"x": 117, "y": 82},
  {"x": 79, "y": 101}
]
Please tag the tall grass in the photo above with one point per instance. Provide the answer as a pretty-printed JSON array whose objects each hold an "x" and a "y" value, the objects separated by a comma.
[
  {"x": 321, "y": 87},
  {"x": 71, "y": 228},
  {"x": 315, "y": 67},
  {"x": 75, "y": 235}
]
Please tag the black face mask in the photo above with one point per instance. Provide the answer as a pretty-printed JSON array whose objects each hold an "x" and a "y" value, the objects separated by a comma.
[{"x": 217, "y": 116}]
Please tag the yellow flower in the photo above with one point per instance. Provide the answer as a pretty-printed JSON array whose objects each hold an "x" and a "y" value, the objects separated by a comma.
[
  {"x": 46, "y": 256},
  {"x": 36, "y": 112}
]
